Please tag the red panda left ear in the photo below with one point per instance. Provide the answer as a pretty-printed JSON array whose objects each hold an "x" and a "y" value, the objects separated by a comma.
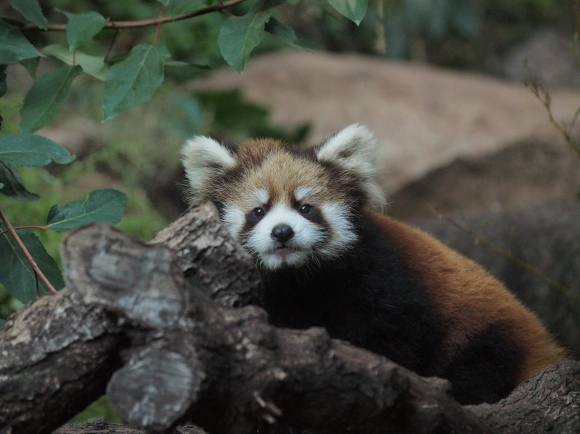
[
  {"x": 355, "y": 149},
  {"x": 203, "y": 159}
]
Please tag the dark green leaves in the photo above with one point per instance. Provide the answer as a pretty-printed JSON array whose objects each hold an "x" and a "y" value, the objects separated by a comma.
[
  {"x": 16, "y": 273},
  {"x": 11, "y": 184},
  {"x": 354, "y": 10},
  {"x": 104, "y": 206},
  {"x": 239, "y": 36},
  {"x": 14, "y": 47},
  {"x": 46, "y": 96},
  {"x": 82, "y": 27},
  {"x": 92, "y": 65},
  {"x": 178, "y": 7},
  {"x": 134, "y": 80},
  {"x": 3, "y": 86},
  {"x": 30, "y": 9},
  {"x": 32, "y": 150},
  {"x": 282, "y": 32}
]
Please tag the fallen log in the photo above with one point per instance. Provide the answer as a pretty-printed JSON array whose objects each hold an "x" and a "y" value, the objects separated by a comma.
[{"x": 140, "y": 319}]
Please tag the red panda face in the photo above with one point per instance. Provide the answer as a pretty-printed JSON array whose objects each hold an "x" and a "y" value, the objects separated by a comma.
[
  {"x": 289, "y": 207},
  {"x": 285, "y": 211}
]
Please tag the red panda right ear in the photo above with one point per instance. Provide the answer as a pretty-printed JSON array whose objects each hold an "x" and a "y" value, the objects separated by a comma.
[
  {"x": 355, "y": 149},
  {"x": 204, "y": 158}
]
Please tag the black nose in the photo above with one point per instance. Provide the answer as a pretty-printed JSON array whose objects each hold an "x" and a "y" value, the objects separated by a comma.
[{"x": 282, "y": 233}]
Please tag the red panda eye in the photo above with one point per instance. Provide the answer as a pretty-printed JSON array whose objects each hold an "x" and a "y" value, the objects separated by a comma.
[
  {"x": 305, "y": 209},
  {"x": 259, "y": 212}
]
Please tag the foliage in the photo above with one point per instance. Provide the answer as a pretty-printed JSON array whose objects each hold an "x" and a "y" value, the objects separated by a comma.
[{"x": 131, "y": 78}]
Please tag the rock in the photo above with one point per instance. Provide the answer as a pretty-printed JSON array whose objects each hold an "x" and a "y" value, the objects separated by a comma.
[
  {"x": 550, "y": 57},
  {"x": 546, "y": 238},
  {"x": 453, "y": 140}
]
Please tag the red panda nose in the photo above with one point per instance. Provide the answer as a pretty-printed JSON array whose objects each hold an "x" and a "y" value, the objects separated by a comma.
[{"x": 282, "y": 233}]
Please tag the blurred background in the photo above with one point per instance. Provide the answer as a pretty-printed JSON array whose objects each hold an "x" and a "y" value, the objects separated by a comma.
[{"x": 441, "y": 83}]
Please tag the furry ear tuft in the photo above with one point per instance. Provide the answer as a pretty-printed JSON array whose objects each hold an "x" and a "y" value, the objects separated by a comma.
[
  {"x": 203, "y": 158},
  {"x": 354, "y": 149}
]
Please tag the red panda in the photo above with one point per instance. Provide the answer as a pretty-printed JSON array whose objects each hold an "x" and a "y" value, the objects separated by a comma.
[{"x": 305, "y": 214}]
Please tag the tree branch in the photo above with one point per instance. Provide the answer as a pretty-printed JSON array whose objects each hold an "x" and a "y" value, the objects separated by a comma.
[
  {"x": 142, "y": 23},
  {"x": 29, "y": 257}
]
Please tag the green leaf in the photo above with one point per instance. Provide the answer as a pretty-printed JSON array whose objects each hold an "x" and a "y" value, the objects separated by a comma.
[
  {"x": 104, "y": 206},
  {"x": 267, "y": 4},
  {"x": 12, "y": 185},
  {"x": 134, "y": 80},
  {"x": 465, "y": 17},
  {"x": 46, "y": 96},
  {"x": 16, "y": 273},
  {"x": 396, "y": 34},
  {"x": 31, "y": 65},
  {"x": 354, "y": 10},
  {"x": 3, "y": 84},
  {"x": 180, "y": 64},
  {"x": 82, "y": 27},
  {"x": 92, "y": 65},
  {"x": 2, "y": 322},
  {"x": 32, "y": 150},
  {"x": 30, "y": 9},
  {"x": 282, "y": 32},
  {"x": 239, "y": 36},
  {"x": 178, "y": 7},
  {"x": 14, "y": 47}
]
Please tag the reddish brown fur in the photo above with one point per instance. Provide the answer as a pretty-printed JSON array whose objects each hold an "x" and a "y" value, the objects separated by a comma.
[{"x": 476, "y": 300}]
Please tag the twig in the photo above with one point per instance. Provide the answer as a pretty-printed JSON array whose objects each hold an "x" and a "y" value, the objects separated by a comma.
[
  {"x": 480, "y": 240},
  {"x": 35, "y": 267},
  {"x": 159, "y": 26},
  {"x": 24, "y": 227},
  {"x": 106, "y": 58},
  {"x": 142, "y": 23},
  {"x": 544, "y": 97}
]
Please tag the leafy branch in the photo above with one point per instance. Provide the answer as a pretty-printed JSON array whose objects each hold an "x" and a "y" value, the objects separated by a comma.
[
  {"x": 128, "y": 82},
  {"x": 141, "y": 23},
  {"x": 31, "y": 260}
]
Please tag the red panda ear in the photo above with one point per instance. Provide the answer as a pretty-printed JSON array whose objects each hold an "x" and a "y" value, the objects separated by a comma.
[
  {"x": 203, "y": 158},
  {"x": 354, "y": 149}
]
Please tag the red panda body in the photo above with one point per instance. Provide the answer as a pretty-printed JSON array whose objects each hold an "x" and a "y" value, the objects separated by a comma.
[{"x": 327, "y": 260}]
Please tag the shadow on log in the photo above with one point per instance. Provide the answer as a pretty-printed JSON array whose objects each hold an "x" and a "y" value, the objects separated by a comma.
[{"x": 130, "y": 321}]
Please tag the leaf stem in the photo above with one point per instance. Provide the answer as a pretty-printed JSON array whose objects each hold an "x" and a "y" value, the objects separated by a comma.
[
  {"x": 35, "y": 267},
  {"x": 161, "y": 14},
  {"x": 25, "y": 227},
  {"x": 143, "y": 23},
  {"x": 106, "y": 59}
]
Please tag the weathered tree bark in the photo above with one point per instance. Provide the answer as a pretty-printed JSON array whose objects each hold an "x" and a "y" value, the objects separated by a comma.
[
  {"x": 51, "y": 351},
  {"x": 173, "y": 354}
]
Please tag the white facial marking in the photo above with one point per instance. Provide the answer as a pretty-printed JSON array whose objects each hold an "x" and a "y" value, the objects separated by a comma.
[
  {"x": 343, "y": 231},
  {"x": 234, "y": 219},
  {"x": 301, "y": 193},
  {"x": 262, "y": 195},
  {"x": 294, "y": 252}
]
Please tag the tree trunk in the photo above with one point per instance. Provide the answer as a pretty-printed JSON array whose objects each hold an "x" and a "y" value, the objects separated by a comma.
[{"x": 140, "y": 320}]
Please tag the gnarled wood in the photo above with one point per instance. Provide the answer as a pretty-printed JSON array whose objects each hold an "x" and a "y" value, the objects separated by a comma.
[{"x": 173, "y": 354}]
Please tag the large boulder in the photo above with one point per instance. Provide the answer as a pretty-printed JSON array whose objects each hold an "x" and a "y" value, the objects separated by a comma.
[
  {"x": 454, "y": 140},
  {"x": 534, "y": 250}
]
